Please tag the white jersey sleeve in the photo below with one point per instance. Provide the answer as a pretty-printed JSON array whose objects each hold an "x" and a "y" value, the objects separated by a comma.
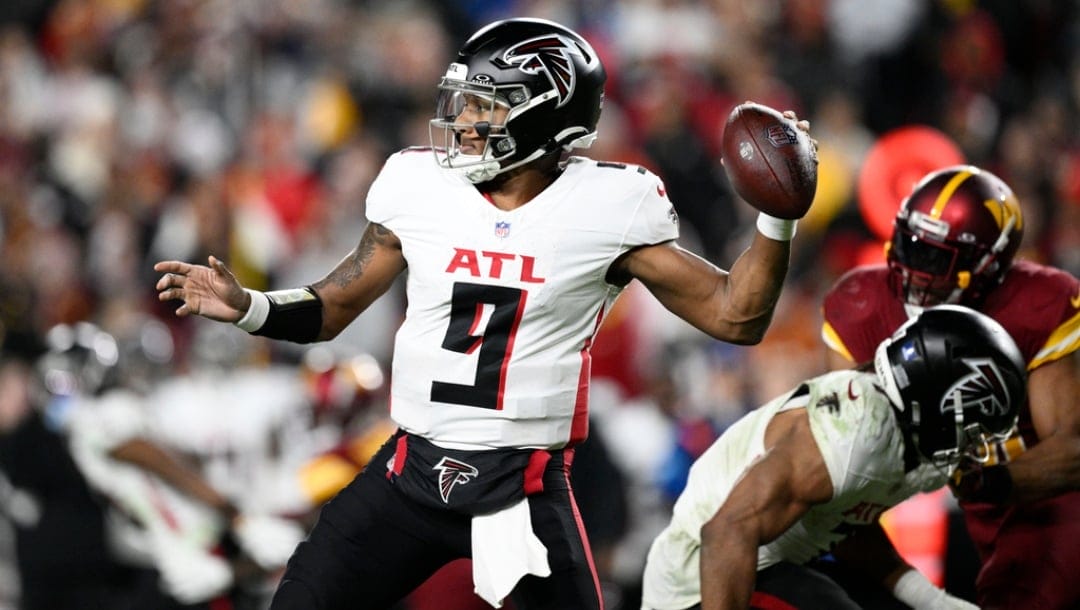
[
  {"x": 503, "y": 305},
  {"x": 656, "y": 220},
  {"x": 855, "y": 430},
  {"x": 100, "y": 425},
  {"x": 859, "y": 440}
]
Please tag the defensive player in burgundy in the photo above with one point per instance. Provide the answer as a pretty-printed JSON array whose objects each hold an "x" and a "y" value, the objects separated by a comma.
[
  {"x": 514, "y": 252},
  {"x": 954, "y": 241}
]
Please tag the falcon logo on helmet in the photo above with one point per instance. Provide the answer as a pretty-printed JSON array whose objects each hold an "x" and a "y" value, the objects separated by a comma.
[
  {"x": 956, "y": 378},
  {"x": 984, "y": 389},
  {"x": 549, "y": 55},
  {"x": 451, "y": 473},
  {"x": 547, "y": 83}
]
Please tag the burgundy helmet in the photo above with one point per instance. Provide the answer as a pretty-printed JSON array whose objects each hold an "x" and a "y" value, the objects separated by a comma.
[{"x": 954, "y": 237}]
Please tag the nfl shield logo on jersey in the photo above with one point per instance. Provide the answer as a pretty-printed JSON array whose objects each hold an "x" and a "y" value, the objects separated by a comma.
[{"x": 502, "y": 229}]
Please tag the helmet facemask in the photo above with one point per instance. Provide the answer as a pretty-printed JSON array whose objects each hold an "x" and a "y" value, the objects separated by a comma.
[
  {"x": 463, "y": 107},
  {"x": 495, "y": 108},
  {"x": 972, "y": 440},
  {"x": 954, "y": 237},
  {"x": 955, "y": 380},
  {"x": 519, "y": 90},
  {"x": 928, "y": 271}
]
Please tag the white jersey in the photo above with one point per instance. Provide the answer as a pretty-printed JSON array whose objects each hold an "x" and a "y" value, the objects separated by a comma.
[
  {"x": 97, "y": 426},
  {"x": 244, "y": 425},
  {"x": 503, "y": 305},
  {"x": 858, "y": 436}
]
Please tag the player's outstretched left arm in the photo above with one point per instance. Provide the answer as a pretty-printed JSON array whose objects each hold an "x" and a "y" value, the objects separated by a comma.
[
  {"x": 772, "y": 495},
  {"x": 210, "y": 291},
  {"x": 312, "y": 313},
  {"x": 360, "y": 278},
  {"x": 734, "y": 306}
]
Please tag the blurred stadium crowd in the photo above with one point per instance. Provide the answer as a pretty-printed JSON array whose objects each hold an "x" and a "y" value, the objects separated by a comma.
[{"x": 133, "y": 131}]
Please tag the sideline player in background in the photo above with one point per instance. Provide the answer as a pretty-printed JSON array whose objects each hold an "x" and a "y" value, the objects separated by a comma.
[
  {"x": 163, "y": 517},
  {"x": 515, "y": 252},
  {"x": 954, "y": 240},
  {"x": 798, "y": 476}
]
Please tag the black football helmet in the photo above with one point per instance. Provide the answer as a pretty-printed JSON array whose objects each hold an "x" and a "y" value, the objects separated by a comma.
[
  {"x": 954, "y": 237},
  {"x": 81, "y": 359},
  {"x": 146, "y": 353},
  {"x": 955, "y": 379},
  {"x": 529, "y": 87}
]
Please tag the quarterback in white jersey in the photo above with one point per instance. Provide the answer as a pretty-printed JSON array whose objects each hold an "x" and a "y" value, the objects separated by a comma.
[
  {"x": 513, "y": 297},
  {"x": 514, "y": 252},
  {"x": 795, "y": 478}
]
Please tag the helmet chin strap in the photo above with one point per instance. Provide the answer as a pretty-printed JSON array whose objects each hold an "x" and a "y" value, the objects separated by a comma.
[
  {"x": 482, "y": 171},
  {"x": 958, "y": 417},
  {"x": 984, "y": 263},
  {"x": 954, "y": 296},
  {"x": 948, "y": 457}
]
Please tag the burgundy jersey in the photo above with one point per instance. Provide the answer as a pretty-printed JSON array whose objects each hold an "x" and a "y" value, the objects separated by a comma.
[
  {"x": 1040, "y": 308},
  {"x": 1038, "y": 305}
]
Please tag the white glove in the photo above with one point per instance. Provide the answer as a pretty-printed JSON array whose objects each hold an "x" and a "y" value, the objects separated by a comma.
[
  {"x": 269, "y": 541},
  {"x": 916, "y": 591},
  {"x": 188, "y": 573}
]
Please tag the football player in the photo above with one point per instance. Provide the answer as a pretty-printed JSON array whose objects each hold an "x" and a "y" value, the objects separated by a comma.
[
  {"x": 163, "y": 514},
  {"x": 805, "y": 474},
  {"x": 515, "y": 252},
  {"x": 59, "y": 549},
  {"x": 954, "y": 241}
]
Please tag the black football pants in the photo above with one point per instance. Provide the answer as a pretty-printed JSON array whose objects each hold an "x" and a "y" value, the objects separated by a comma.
[{"x": 372, "y": 545}]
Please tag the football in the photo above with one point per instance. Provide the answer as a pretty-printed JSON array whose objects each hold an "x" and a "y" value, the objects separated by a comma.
[{"x": 770, "y": 162}]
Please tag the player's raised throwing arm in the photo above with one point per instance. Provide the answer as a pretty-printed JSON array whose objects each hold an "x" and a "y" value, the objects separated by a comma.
[
  {"x": 734, "y": 306},
  {"x": 313, "y": 313}
]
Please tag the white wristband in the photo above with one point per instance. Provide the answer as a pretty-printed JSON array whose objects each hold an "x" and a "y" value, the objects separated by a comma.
[
  {"x": 256, "y": 314},
  {"x": 780, "y": 229},
  {"x": 917, "y": 591}
]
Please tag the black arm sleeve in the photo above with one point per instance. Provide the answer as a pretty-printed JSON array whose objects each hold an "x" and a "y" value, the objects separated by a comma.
[{"x": 295, "y": 315}]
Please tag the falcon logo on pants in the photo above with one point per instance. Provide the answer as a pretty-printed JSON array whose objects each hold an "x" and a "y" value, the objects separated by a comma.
[{"x": 452, "y": 472}]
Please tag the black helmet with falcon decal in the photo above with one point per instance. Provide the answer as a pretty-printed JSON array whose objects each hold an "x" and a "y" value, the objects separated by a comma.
[
  {"x": 955, "y": 377},
  {"x": 529, "y": 87}
]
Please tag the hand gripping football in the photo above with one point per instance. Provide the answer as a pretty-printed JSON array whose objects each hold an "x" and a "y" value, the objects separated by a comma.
[{"x": 770, "y": 162}]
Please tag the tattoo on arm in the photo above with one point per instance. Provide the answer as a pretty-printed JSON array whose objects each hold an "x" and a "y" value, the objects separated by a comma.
[{"x": 354, "y": 264}]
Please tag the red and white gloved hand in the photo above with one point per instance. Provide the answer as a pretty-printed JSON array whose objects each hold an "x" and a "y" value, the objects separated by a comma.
[
  {"x": 188, "y": 573},
  {"x": 269, "y": 541}
]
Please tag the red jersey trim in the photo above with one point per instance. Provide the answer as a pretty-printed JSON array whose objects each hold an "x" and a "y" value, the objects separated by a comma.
[{"x": 579, "y": 427}]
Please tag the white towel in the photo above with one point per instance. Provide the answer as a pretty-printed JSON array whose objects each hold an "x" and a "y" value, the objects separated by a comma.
[{"x": 504, "y": 549}]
